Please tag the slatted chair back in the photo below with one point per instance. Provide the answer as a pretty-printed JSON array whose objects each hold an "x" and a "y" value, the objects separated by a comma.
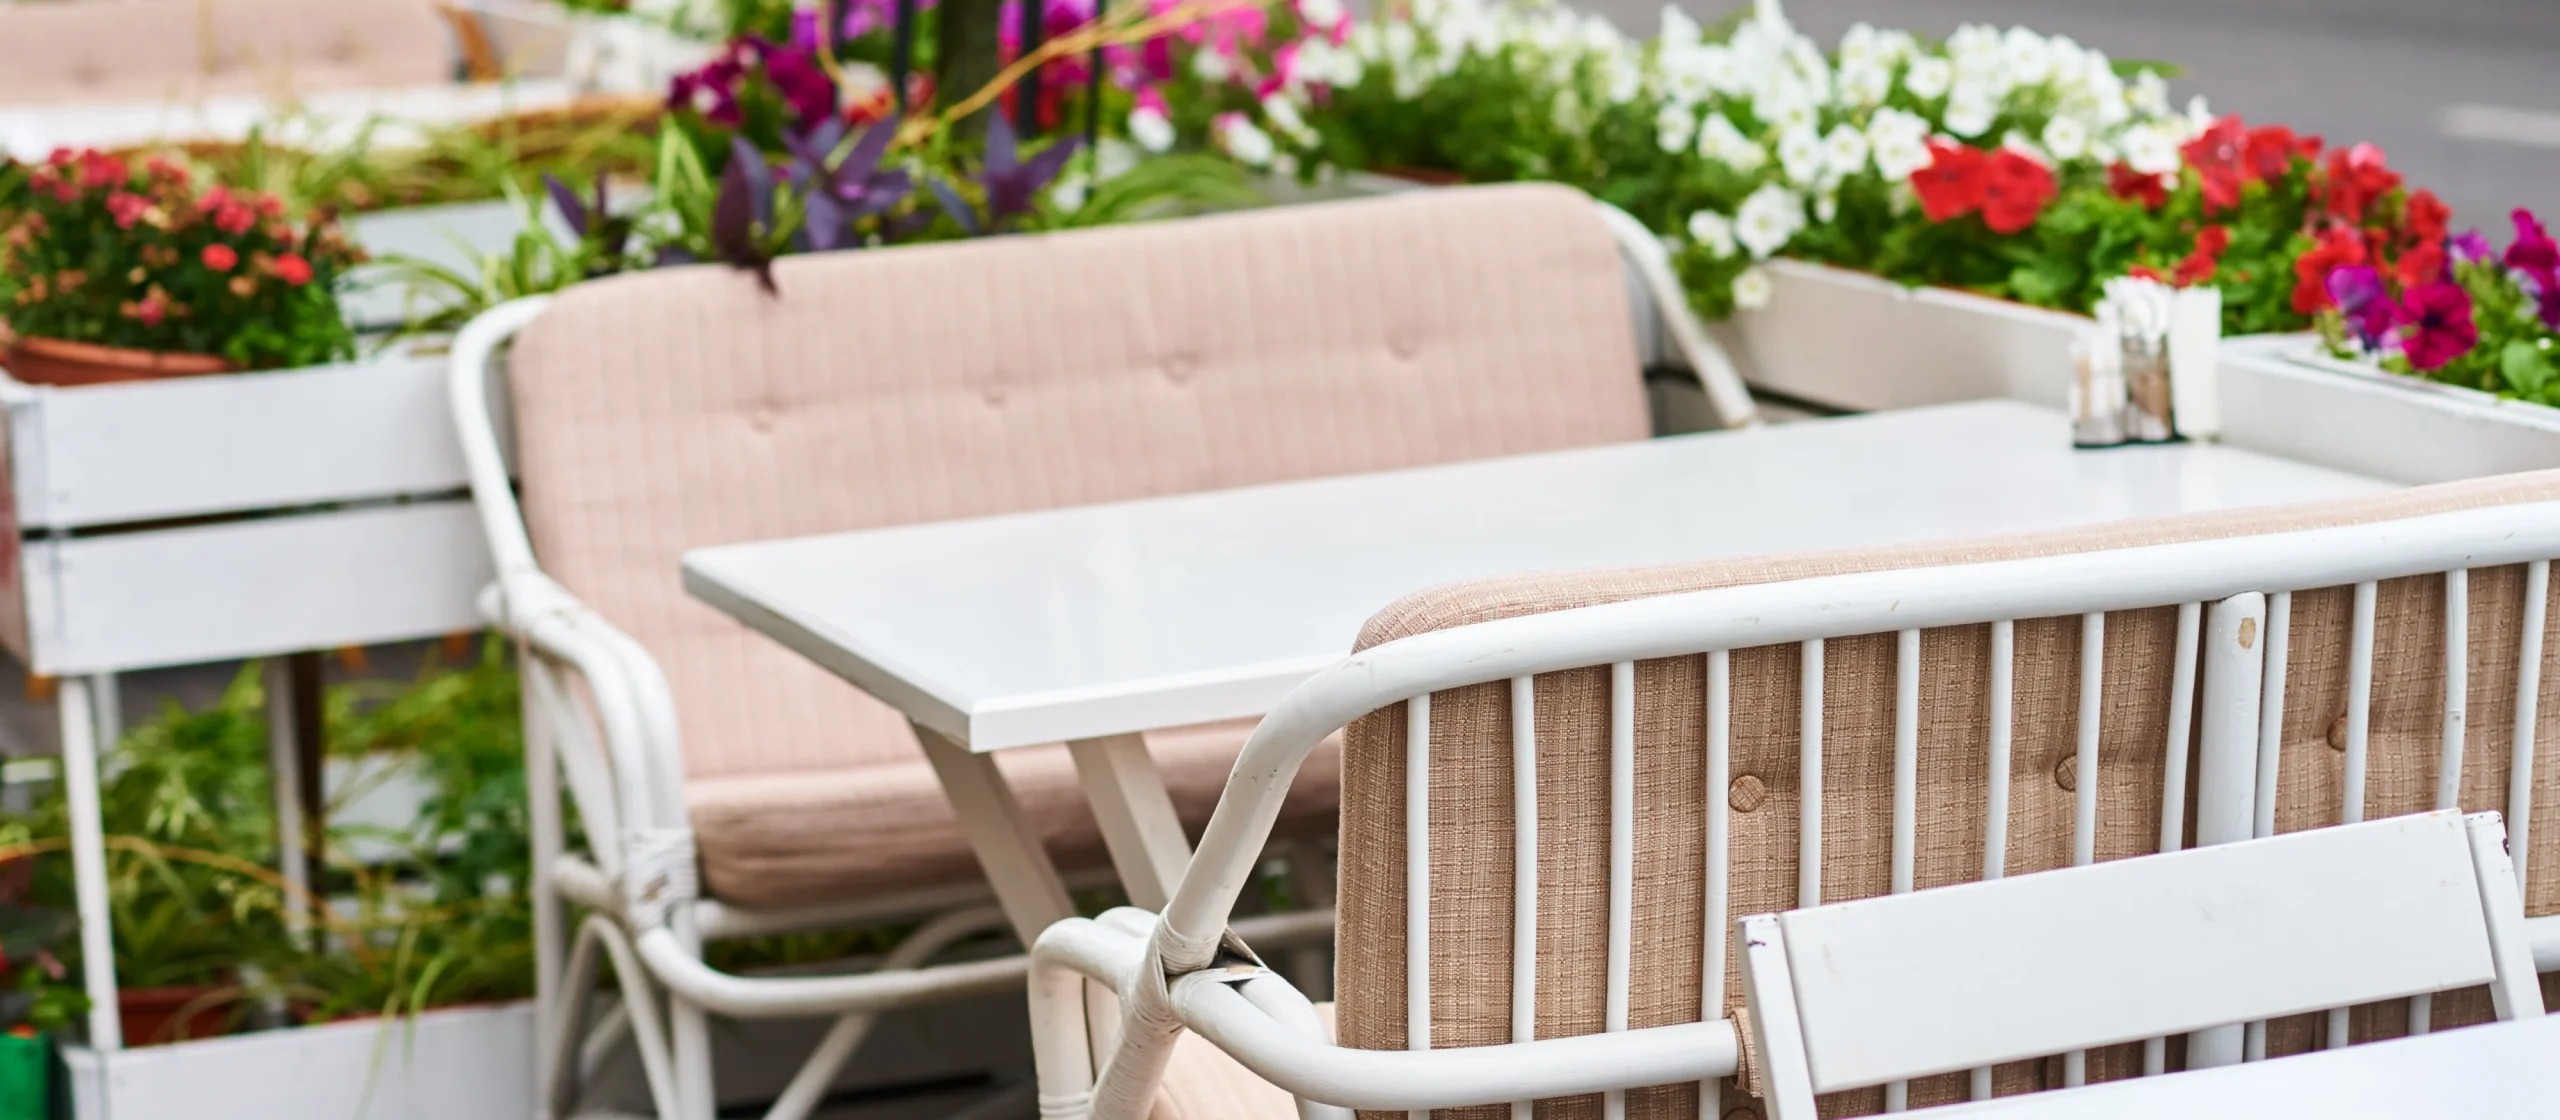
[
  {"x": 1566, "y": 855},
  {"x": 1885, "y": 989}
]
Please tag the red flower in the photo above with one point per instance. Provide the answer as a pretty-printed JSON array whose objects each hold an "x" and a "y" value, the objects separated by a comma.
[
  {"x": 2216, "y": 154},
  {"x": 2421, "y": 265},
  {"x": 2339, "y": 247},
  {"x": 2146, "y": 272},
  {"x": 126, "y": 207},
  {"x": 100, "y": 170},
  {"x": 1954, "y": 183},
  {"x": 2357, "y": 177},
  {"x": 2206, "y": 260},
  {"x": 268, "y": 206},
  {"x": 2015, "y": 189},
  {"x": 163, "y": 171},
  {"x": 292, "y": 269},
  {"x": 2426, "y": 216},
  {"x": 2271, "y": 150},
  {"x": 220, "y": 257},
  {"x": 233, "y": 218},
  {"x": 2436, "y": 325},
  {"x": 2126, "y": 183}
]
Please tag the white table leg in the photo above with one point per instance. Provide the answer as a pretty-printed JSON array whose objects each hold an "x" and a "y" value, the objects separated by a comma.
[
  {"x": 1135, "y": 811},
  {"x": 89, "y": 863},
  {"x": 1026, "y": 883}
]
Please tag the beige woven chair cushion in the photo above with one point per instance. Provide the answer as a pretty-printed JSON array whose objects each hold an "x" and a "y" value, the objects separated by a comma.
[
  {"x": 155, "y": 50},
  {"x": 685, "y": 407},
  {"x": 1471, "y": 775}
]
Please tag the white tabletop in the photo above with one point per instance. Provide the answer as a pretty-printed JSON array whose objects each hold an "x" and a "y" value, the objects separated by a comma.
[
  {"x": 2497, "y": 1069},
  {"x": 1098, "y": 620}
]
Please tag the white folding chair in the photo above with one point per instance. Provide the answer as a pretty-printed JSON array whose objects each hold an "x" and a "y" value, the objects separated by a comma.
[{"x": 1966, "y": 977}]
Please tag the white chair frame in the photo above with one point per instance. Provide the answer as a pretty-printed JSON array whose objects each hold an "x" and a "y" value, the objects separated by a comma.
[
  {"x": 1184, "y": 969},
  {"x": 1962, "y": 978},
  {"x": 617, "y": 751}
]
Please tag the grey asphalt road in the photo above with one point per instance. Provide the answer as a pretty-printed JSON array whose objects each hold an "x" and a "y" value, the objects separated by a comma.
[{"x": 2464, "y": 95}]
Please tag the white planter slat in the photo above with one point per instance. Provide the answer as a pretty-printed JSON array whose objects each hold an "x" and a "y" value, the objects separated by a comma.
[
  {"x": 2282, "y": 396},
  {"x": 253, "y": 588},
  {"x": 1858, "y": 342},
  {"x": 186, "y": 447},
  {"x": 460, "y": 1064}
]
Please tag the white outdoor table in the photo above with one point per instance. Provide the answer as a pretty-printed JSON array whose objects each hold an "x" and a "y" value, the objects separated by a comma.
[
  {"x": 2496, "y": 1069},
  {"x": 1090, "y": 625}
]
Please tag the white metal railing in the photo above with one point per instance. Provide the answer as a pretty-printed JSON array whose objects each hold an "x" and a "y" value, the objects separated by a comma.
[{"x": 2227, "y": 593}]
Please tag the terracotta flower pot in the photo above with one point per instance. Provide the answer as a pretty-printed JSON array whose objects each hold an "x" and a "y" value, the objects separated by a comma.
[
  {"x": 157, "y": 1015},
  {"x": 51, "y": 361}
]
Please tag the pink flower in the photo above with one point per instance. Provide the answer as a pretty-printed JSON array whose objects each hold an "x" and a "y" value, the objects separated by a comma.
[
  {"x": 2436, "y": 326},
  {"x": 220, "y": 257},
  {"x": 2533, "y": 250},
  {"x": 126, "y": 207},
  {"x": 294, "y": 270}
]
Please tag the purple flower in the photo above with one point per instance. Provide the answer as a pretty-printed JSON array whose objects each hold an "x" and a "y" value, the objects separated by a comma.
[
  {"x": 2468, "y": 246},
  {"x": 793, "y": 72},
  {"x": 2360, "y": 296},
  {"x": 2436, "y": 326}
]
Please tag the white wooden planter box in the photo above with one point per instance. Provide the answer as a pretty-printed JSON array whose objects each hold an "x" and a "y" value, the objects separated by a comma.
[
  {"x": 1853, "y": 341},
  {"x": 471, "y": 1063},
  {"x": 200, "y": 519},
  {"x": 445, "y": 235},
  {"x": 2282, "y": 395}
]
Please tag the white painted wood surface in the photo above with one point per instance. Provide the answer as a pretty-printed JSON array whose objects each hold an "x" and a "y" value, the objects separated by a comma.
[
  {"x": 1861, "y": 342},
  {"x": 2492, "y": 1070},
  {"x": 1977, "y": 974},
  {"x": 143, "y": 451},
  {"x": 1102, "y": 620},
  {"x": 2282, "y": 397},
  {"x": 459, "y": 1064},
  {"x": 252, "y": 588}
]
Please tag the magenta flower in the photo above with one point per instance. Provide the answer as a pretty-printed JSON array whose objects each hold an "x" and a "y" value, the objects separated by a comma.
[
  {"x": 2468, "y": 246},
  {"x": 2533, "y": 251},
  {"x": 793, "y": 72},
  {"x": 2360, "y": 296},
  {"x": 2435, "y": 325}
]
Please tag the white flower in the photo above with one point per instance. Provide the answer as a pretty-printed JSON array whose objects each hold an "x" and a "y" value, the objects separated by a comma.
[
  {"x": 1720, "y": 141},
  {"x": 1801, "y": 153},
  {"x": 1974, "y": 42},
  {"x": 1069, "y": 194},
  {"x": 1210, "y": 67},
  {"x": 2025, "y": 54},
  {"x": 1899, "y": 143},
  {"x": 1752, "y": 289},
  {"x": 1928, "y": 78},
  {"x": 2069, "y": 61},
  {"x": 1859, "y": 45},
  {"x": 1845, "y": 151},
  {"x": 1768, "y": 220},
  {"x": 2199, "y": 114},
  {"x": 1249, "y": 145},
  {"x": 1677, "y": 28},
  {"x": 1283, "y": 116},
  {"x": 2150, "y": 95},
  {"x": 1723, "y": 70},
  {"x": 1150, "y": 129},
  {"x": 1674, "y": 126},
  {"x": 1971, "y": 109},
  {"x": 1321, "y": 13},
  {"x": 2066, "y": 138},
  {"x": 1713, "y": 232},
  {"x": 1826, "y": 209},
  {"x": 2026, "y": 145},
  {"x": 2151, "y": 149},
  {"x": 1865, "y": 84}
]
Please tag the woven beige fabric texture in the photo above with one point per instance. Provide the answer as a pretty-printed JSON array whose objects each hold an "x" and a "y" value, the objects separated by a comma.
[
  {"x": 685, "y": 407},
  {"x": 160, "y": 50},
  {"x": 1471, "y": 799}
]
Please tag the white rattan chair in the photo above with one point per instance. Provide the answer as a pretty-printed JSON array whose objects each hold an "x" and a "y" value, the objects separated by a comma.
[
  {"x": 727, "y": 788},
  {"x": 1558, "y": 788},
  {"x": 1863, "y": 993}
]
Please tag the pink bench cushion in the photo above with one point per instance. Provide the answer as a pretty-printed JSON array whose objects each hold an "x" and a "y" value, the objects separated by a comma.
[
  {"x": 685, "y": 407},
  {"x": 154, "y": 50}
]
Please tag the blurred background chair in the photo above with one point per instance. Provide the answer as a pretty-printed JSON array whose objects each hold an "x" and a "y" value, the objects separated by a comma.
[
  {"x": 1618, "y": 762},
  {"x": 683, "y": 408},
  {"x": 170, "y": 50}
]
